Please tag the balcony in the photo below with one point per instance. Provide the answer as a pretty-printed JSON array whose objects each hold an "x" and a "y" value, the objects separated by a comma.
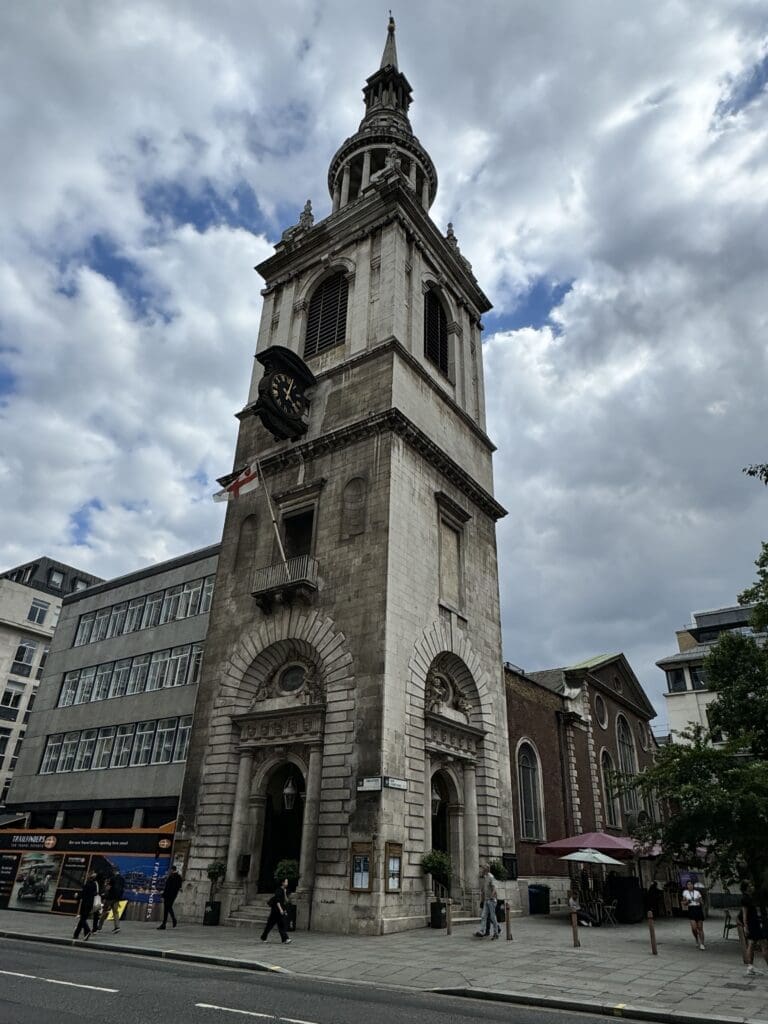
[{"x": 284, "y": 582}]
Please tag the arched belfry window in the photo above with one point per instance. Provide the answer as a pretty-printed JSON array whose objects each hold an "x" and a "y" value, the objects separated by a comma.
[
  {"x": 529, "y": 784},
  {"x": 435, "y": 331},
  {"x": 327, "y": 316}
]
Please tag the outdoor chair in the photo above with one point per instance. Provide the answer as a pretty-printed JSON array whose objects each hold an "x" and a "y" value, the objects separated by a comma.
[
  {"x": 729, "y": 925},
  {"x": 609, "y": 913}
]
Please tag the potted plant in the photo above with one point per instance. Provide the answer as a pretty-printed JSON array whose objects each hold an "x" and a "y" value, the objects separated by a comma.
[
  {"x": 498, "y": 871},
  {"x": 438, "y": 864},
  {"x": 216, "y": 871}
]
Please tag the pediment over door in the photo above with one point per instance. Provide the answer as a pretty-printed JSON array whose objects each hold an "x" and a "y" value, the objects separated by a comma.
[
  {"x": 275, "y": 728},
  {"x": 452, "y": 738}
]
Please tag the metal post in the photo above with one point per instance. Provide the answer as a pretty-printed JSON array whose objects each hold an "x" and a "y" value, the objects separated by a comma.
[
  {"x": 652, "y": 930},
  {"x": 575, "y": 930},
  {"x": 448, "y": 921},
  {"x": 507, "y": 922}
]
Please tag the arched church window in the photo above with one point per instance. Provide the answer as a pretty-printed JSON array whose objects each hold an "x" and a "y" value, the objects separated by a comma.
[
  {"x": 327, "y": 315},
  {"x": 435, "y": 331},
  {"x": 627, "y": 762},
  {"x": 529, "y": 783},
  {"x": 610, "y": 801}
]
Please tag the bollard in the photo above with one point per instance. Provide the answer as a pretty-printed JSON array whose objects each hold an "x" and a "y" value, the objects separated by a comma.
[
  {"x": 652, "y": 930},
  {"x": 742, "y": 941},
  {"x": 575, "y": 930},
  {"x": 448, "y": 921},
  {"x": 508, "y": 923}
]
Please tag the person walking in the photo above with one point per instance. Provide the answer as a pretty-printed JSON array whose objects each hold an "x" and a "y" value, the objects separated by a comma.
[
  {"x": 113, "y": 895},
  {"x": 278, "y": 913},
  {"x": 171, "y": 890},
  {"x": 85, "y": 906},
  {"x": 692, "y": 901},
  {"x": 756, "y": 934},
  {"x": 98, "y": 904},
  {"x": 490, "y": 895}
]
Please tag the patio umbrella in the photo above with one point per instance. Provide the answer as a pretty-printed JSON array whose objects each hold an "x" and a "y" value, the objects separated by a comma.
[
  {"x": 614, "y": 846},
  {"x": 591, "y": 857}
]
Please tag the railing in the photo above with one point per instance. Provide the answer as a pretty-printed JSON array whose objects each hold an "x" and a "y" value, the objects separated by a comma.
[{"x": 298, "y": 571}]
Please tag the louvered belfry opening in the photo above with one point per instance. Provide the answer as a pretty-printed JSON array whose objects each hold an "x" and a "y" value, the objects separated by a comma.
[
  {"x": 435, "y": 332},
  {"x": 327, "y": 317}
]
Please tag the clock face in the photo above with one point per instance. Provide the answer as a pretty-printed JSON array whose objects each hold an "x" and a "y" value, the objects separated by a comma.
[{"x": 286, "y": 394}]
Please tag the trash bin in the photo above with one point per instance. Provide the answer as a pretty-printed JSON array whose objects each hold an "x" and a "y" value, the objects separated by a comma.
[
  {"x": 538, "y": 899},
  {"x": 437, "y": 914},
  {"x": 212, "y": 913}
]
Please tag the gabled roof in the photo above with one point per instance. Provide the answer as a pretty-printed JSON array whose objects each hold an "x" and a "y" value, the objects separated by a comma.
[{"x": 559, "y": 680}]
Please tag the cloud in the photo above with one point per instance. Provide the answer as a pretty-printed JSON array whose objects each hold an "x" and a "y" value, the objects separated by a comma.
[{"x": 606, "y": 175}]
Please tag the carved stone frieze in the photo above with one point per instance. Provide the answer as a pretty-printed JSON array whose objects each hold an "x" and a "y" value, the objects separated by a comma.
[
  {"x": 279, "y": 729},
  {"x": 452, "y": 738}
]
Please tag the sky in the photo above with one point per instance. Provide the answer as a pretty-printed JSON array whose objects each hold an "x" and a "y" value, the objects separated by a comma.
[{"x": 606, "y": 171}]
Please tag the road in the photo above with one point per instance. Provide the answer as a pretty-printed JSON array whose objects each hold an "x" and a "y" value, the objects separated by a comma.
[{"x": 72, "y": 985}]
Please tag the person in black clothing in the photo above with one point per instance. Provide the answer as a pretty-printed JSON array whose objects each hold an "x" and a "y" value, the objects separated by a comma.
[
  {"x": 85, "y": 908},
  {"x": 113, "y": 894},
  {"x": 171, "y": 890},
  {"x": 278, "y": 913},
  {"x": 757, "y": 936}
]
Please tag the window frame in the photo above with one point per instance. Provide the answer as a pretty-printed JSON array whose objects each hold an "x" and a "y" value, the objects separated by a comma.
[
  {"x": 361, "y": 851},
  {"x": 537, "y": 832},
  {"x": 322, "y": 322}
]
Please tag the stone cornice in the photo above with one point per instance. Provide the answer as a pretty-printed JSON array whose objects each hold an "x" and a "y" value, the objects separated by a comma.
[{"x": 395, "y": 422}]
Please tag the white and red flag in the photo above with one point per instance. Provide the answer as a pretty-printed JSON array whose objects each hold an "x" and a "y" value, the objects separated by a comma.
[{"x": 245, "y": 481}]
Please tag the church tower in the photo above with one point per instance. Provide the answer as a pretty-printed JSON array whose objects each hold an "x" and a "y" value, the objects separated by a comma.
[{"x": 351, "y": 715}]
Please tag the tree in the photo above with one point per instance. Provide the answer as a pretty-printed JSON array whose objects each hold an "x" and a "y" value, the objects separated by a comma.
[
  {"x": 737, "y": 668},
  {"x": 757, "y": 594},
  {"x": 760, "y": 470}
]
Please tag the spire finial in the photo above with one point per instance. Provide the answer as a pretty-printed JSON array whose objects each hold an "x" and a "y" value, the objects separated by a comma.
[{"x": 389, "y": 57}]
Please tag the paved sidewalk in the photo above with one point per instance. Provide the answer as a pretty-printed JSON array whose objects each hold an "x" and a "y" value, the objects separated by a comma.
[{"x": 612, "y": 973}]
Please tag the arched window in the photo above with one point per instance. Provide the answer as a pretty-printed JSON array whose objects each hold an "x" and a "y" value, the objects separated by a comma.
[
  {"x": 610, "y": 800},
  {"x": 435, "y": 331},
  {"x": 529, "y": 783},
  {"x": 327, "y": 316},
  {"x": 627, "y": 762}
]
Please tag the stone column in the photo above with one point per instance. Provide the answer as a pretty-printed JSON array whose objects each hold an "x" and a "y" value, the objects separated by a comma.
[
  {"x": 427, "y": 802},
  {"x": 471, "y": 858},
  {"x": 412, "y": 174},
  {"x": 258, "y": 809},
  {"x": 336, "y": 196},
  {"x": 456, "y": 845},
  {"x": 239, "y": 815},
  {"x": 425, "y": 193},
  {"x": 311, "y": 819},
  {"x": 345, "y": 185},
  {"x": 366, "y": 169}
]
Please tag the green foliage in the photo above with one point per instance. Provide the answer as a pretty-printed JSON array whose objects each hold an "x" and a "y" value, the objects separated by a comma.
[
  {"x": 757, "y": 594},
  {"x": 287, "y": 869},
  {"x": 760, "y": 470},
  {"x": 438, "y": 864},
  {"x": 498, "y": 871},
  {"x": 737, "y": 668}
]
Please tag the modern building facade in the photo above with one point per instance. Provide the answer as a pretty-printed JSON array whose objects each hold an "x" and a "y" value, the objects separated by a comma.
[
  {"x": 573, "y": 733},
  {"x": 351, "y": 712},
  {"x": 687, "y": 694},
  {"x": 30, "y": 602},
  {"x": 107, "y": 744}
]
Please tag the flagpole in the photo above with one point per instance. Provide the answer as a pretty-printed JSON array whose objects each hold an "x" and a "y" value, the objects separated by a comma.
[{"x": 272, "y": 516}]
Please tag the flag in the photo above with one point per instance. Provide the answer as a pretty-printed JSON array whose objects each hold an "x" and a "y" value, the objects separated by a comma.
[{"x": 245, "y": 481}]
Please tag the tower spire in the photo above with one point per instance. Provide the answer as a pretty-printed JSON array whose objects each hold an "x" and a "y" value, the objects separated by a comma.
[{"x": 389, "y": 57}]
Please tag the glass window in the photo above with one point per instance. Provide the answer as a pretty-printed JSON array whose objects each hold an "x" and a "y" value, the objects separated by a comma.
[
  {"x": 84, "y": 629},
  {"x": 25, "y": 655},
  {"x": 4, "y": 736},
  {"x": 158, "y": 670},
  {"x": 120, "y": 677},
  {"x": 675, "y": 680},
  {"x": 117, "y": 619},
  {"x": 103, "y": 680},
  {"x": 530, "y": 795},
  {"x": 43, "y": 659},
  {"x": 100, "y": 625},
  {"x": 190, "y": 599},
  {"x": 435, "y": 331},
  {"x": 610, "y": 799},
  {"x": 601, "y": 711},
  {"x": 11, "y": 697},
  {"x": 85, "y": 685},
  {"x": 182, "y": 738},
  {"x": 698, "y": 677},
  {"x": 170, "y": 607},
  {"x": 85, "y": 750},
  {"x": 450, "y": 565},
  {"x": 68, "y": 752},
  {"x": 134, "y": 614},
  {"x": 327, "y": 315},
  {"x": 394, "y": 854},
  {"x": 51, "y": 755},
  {"x": 142, "y": 747},
  {"x": 627, "y": 762},
  {"x": 79, "y": 585},
  {"x": 69, "y": 689},
  {"x": 103, "y": 750},
  {"x": 177, "y": 667},
  {"x": 163, "y": 749},
  {"x": 361, "y": 856},
  {"x": 38, "y": 611},
  {"x": 152, "y": 608},
  {"x": 56, "y": 578},
  {"x": 205, "y": 600},
  {"x": 195, "y": 664},
  {"x": 121, "y": 753},
  {"x": 137, "y": 680}
]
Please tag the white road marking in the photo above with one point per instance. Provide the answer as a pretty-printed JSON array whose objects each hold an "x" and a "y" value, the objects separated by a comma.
[
  {"x": 55, "y": 981},
  {"x": 252, "y": 1013}
]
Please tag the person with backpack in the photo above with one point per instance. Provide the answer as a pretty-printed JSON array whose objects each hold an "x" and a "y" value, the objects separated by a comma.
[{"x": 278, "y": 913}]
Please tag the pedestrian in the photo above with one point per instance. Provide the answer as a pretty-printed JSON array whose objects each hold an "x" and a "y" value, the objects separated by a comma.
[
  {"x": 85, "y": 906},
  {"x": 692, "y": 901},
  {"x": 98, "y": 904},
  {"x": 278, "y": 913},
  {"x": 490, "y": 895},
  {"x": 171, "y": 890},
  {"x": 756, "y": 933},
  {"x": 113, "y": 894},
  {"x": 582, "y": 916}
]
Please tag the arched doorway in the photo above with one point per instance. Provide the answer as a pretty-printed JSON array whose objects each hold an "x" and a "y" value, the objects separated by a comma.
[
  {"x": 283, "y": 821},
  {"x": 440, "y": 801}
]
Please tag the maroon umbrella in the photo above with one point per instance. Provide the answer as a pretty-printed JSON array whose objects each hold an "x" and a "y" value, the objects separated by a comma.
[{"x": 621, "y": 847}]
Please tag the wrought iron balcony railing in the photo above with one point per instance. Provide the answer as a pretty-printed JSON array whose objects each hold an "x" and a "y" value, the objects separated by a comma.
[{"x": 282, "y": 581}]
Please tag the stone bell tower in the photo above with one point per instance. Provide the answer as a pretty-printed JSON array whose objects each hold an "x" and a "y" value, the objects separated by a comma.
[{"x": 352, "y": 714}]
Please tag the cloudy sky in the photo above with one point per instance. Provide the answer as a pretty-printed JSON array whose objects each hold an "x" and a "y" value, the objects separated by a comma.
[{"x": 606, "y": 170}]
